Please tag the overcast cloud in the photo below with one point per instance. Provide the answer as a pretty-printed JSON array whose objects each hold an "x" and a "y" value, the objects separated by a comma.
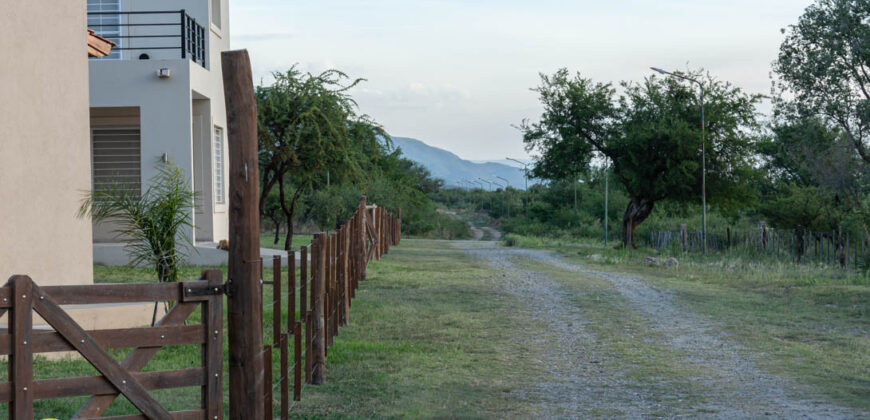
[{"x": 456, "y": 73}]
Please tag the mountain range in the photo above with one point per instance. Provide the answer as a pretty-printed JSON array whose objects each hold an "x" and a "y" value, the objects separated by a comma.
[{"x": 453, "y": 169}]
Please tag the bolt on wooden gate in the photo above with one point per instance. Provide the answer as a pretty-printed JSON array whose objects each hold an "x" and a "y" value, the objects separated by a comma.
[
  {"x": 21, "y": 297},
  {"x": 330, "y": 271}
]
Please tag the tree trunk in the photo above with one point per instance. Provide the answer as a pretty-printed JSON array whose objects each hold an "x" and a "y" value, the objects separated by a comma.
[
  {"x": 288, "y": 212},
  {"x": 277, "y": 223},
  {"x": 637, "y": 211}
]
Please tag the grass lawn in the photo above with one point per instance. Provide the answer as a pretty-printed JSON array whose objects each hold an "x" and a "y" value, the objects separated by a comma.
[
  {"x": 810, "y": 323},
  {"x": 427, "y": 338},
  {"x": 267, "y": 240}
]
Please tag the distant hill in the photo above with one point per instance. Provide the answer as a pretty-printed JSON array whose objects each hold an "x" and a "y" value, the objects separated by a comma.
[{"x": 453, "y": 169}]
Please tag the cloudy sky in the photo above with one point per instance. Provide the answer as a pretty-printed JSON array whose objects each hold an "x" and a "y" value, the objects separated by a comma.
[{"x": 457, "y": 73}]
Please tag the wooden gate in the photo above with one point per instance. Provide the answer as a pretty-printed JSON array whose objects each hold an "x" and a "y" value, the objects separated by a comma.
[{"x": 21, "y": 297}]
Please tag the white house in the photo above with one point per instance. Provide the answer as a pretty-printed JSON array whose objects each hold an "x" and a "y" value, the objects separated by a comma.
[{"x": 159, "y": 96}]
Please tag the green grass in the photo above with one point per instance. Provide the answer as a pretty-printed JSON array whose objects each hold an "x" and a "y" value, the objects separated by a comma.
[
  {"x": 267, "y": 240},
  {"x": 427, "y": 338},
  {"x": 806, "y": 322}
]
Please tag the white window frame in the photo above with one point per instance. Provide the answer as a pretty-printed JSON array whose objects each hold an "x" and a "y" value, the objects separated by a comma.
[{"x": 219, "y": 165}]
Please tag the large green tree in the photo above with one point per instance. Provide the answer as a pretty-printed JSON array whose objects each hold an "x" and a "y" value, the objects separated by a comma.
[
  {"x": 651, "y": 134},
  {"x": 307, "y": 127},
  {"x": 824, "y": 68}
]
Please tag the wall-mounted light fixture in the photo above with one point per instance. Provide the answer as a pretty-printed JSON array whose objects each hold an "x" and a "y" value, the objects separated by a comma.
[{"x": 164, "y": 73}]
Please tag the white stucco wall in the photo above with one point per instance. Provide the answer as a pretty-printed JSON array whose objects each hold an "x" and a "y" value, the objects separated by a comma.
[
  {"x": 44, "y": 142},
  {"x": 177, "y": 114}
]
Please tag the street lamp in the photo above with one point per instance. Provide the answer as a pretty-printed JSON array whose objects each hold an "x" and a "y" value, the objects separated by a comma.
[
  {"x": 526, "y": 175},
  {"x": 488, "y": 183},
  {"x": 507, "y": 201},
  {"x": 703, "y": 160},
  {"x": 504, "y": 188}
]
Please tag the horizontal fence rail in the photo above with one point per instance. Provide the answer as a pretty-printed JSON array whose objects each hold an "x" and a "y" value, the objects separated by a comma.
[
  {"x": 330, "y": 271},
  {"x": 797, "y": 245},
  {"x": 22, "y": 297}
]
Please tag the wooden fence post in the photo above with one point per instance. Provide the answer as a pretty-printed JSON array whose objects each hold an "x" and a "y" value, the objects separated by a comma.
[
  {"x": 213, "y": 350},
  {"x": 276, "y": 300},
  {"x": 267, "y": 384},
  {"x": 362, "y": 241},
  {"x": 21, "y": 359},
  {"x": 291, "y": 291},
  {"x": 318, "y": 345},
  {"x": 683, "y": 237},
  {"x": 345, "y": 268},
  {"x": 244, "y": 304}
]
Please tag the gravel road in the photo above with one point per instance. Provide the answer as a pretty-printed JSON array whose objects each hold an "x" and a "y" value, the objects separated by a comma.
[{"x": 583, "y": 388}]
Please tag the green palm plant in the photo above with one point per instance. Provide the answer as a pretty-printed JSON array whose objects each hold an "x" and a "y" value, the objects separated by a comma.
[{"x": 149, "y": 222}]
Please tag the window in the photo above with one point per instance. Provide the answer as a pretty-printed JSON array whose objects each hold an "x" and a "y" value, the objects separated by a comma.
[
  {"x": 219, "y": 194},
  {"x": 216, "y": 13},
  {"x": 106, "y": 24},
  {"x": 116, "y": 158}
]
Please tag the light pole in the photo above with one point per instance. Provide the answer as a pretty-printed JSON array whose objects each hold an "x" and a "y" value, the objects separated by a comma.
[
  {"x": 526, "y": 175},
  {"x": 504, "y": 188},
  {"x": 703, "y": 160},
  {"x": 606, "y": 191},
  {"x": 507, "y": 201},
  {"x": 487, "y": 182},
  {"x": 488, "y": 200}
]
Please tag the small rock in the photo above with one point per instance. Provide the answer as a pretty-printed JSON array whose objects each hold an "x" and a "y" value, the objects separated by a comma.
[
  {"x": 652, "y": 261},
  {"x": 672, "y": 262}
]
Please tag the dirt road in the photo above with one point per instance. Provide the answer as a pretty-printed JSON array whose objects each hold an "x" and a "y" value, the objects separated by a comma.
[{"x": 590, "y": 375}]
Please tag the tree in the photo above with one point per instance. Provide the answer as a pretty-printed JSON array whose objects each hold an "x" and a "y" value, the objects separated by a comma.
[
  {"x": 824, "y": 68},
  {"x": 152, "y": 222},
  {"x": 304, "y": 131},
  {"x": 651, "y": 134}
]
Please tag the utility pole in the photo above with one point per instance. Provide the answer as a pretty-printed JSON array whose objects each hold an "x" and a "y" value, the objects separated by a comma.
[
  {"x": 606, "y": 191},
  {"x": 703, "y": 159},
  {"x": 506, "y": 196},
  {"x": 526, "y": 175},
  {"x": 574, "y": 181}
]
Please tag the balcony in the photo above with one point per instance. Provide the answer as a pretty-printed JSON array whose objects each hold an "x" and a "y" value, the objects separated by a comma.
[{"x": 157, "y": 35}]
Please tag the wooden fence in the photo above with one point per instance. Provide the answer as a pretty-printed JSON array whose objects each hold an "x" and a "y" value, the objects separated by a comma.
[
  {"x": 330, "y": 271},
  {"x": 797, "y": 245},
  {"x": 21, "y": 297}
]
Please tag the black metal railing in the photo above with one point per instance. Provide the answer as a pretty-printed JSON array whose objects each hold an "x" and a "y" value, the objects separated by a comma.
[{"x": 152, "y": 33}]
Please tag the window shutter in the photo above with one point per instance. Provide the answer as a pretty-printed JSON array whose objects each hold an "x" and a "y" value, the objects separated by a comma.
[{"x": 117, "y": 158}]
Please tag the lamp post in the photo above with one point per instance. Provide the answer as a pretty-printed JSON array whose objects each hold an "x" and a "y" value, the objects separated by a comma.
[
  {"x": 606, "y": 191},
  {"x": 504, "y": 187},
  {"x": 507, "y": 201},
  {"x": 703, "y": 160},
  {"x": 488, "y": 200},
  {"x": 526, "y": 175}
]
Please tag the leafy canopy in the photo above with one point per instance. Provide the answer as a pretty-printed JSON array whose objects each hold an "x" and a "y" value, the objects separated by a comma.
[{"x": 824, "y": 68}]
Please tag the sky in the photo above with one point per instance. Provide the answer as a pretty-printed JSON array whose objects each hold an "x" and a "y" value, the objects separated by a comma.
[{"x": 458, "y": 74}]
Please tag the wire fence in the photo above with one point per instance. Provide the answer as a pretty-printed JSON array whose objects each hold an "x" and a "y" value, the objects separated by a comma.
[
  {"x": 311, "y": 310},
  {"x": 797, "y": 245}
]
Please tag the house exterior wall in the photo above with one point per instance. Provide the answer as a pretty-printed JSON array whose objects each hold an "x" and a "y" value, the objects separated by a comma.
[
  {"x": 178, "y": 114},
  {"x": 44, "y": 143}
]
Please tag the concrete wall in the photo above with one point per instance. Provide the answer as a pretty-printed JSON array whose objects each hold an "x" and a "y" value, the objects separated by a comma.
[
  {"x": 178, "y": 114},
  {"x": 44, "y": 142},
  {"x": 164, "y": 110}
]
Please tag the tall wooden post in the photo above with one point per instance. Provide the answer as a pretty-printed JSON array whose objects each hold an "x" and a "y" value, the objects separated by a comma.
[
  {"x": 362, "y": 240},
  {"x": 244, "y": 302},
  {"x": 318, "y": 330}
]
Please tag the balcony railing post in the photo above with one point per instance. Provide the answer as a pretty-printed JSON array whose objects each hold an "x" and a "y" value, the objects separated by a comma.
[{"x": 183, "y": 34}]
